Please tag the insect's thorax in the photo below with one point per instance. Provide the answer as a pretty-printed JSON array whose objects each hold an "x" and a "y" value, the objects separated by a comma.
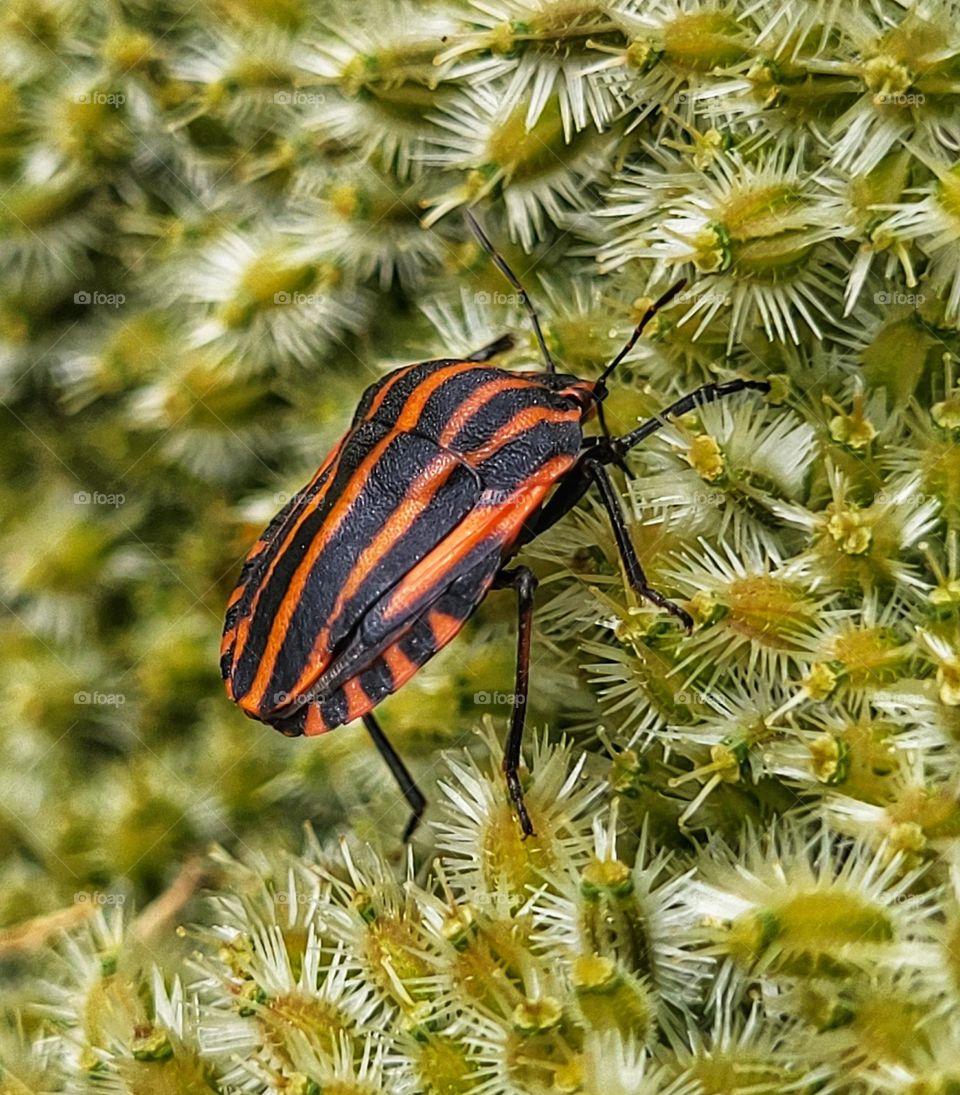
[{"x": 502, "y": 423}]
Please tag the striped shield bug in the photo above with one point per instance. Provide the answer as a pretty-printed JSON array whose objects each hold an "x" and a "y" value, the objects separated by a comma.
[{"x": 448, "y": 468}]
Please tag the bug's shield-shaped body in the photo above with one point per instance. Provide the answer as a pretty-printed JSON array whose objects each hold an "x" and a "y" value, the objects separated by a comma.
[{"x": 377, "y": 563}]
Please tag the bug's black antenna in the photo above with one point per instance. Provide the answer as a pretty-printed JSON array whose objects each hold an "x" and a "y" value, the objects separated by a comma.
[
  {"x": 501, "y": 264},
  {"x": 661, "y": 302}
]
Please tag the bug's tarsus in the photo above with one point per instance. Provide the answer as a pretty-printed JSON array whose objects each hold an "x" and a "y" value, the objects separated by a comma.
[
  {"x": 708, "y": 393},
  {"x": 493, "y": 349},
  {"x": 501, "y": 263},
  {"x": 635, "y": 576},
  {"x": 411, "y": 792},
  {"x": 524, "y": 581}
]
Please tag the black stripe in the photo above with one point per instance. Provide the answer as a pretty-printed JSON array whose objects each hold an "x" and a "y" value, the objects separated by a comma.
[
  {"x": 512, "y": 465},
  {"x": 334, "y": 710},
  {"x": 273, "y": 537},
  {"x": 389, "y": 410},
  {"x": 418, "y": 644},
  {"x": 355, "y": 449},
  {"x": 446, "y": 402},
  {"x": 377, "y": 681},
  {"x": 451, "y": 503},
  {"x": 500, "y": 410}
]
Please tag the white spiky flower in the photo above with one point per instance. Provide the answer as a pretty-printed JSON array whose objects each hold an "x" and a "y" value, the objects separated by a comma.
[
  {"x": 854, "y": 543},
  {"x": 758, "y": 234},
  {"x": 794, "y": 903},
  {"x": 533, "y": 45},
  {"x": 719, "y": 480},
  {"x": 479, "y": 833},
  {"x": 934, "y": 223},
  {"x": 257, "y": 299},
  {"x": 542, "y": 178}
]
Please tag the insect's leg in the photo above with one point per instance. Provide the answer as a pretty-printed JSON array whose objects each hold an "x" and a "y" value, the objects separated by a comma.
[
  {"x": 501, "y": 263},
  {"x": 411, "y": 792},
  {"x": 492, "y": 349},
  {"x": 524, "y": 582},
  {"x": 637, "y": 579},
  {"x": 709, "y": 393}
]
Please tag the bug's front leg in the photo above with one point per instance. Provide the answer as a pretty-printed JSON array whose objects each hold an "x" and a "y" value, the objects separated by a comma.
[
  {"x": 524, "y": 581},
  {"x": 598, "y": 474},
  {"x": 708, "y": 393}
]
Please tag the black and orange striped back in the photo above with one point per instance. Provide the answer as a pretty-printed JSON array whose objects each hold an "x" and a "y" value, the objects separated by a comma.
[{"x": 436, "y": 454}]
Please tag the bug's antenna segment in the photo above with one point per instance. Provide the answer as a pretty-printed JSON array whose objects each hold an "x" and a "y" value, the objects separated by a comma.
[
  {"x": 657, "y": 305},
  {"x": 501, "y": 263}
]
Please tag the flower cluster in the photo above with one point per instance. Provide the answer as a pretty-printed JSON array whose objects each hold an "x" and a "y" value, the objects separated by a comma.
[
  {"x": 587, "y": 958},
  {"x": 218, "y": 224}
]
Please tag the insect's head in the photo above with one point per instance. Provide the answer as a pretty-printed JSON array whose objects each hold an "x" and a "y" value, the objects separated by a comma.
[
  {"x": 588, "y": 394},
  {"x": 582, "y": 392}
]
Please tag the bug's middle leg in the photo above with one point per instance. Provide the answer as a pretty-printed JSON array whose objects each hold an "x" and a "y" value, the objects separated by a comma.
[
  {"x": 492, "y": 349},
  {"x": 524, "y": 581},
  {"x": 598, "y": 474},
  {"x": 411, "y": 792}
]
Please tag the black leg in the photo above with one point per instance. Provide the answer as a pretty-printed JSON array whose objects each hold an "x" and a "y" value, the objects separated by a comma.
[
  {"x": 498, "y": 346},
  {"x": 524, "y": 581},
  {"x": 637, "y": 579},
  {"x": 501, "y": 264},
  {"x": 709, "y": 393},
  {"x": 411, "y": 792}
]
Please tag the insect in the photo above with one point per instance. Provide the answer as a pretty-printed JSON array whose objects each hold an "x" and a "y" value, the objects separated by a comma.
[{"x": 448, "y": 468}]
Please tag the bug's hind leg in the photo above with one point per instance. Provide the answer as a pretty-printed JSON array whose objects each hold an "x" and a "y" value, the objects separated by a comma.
[
  {"x": 493, "y": 349},
  {"x": 411, "y": 792},
  {"x": 637, "y": 579},
  {"x": 524, "y": 581}
]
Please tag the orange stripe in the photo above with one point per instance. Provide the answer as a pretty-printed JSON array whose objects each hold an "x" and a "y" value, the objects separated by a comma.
[
  {"x": 519, "y": 424},
  {"x": 385, "y": 390},
  {"x": 501, "y": 523},
  {"x": 358, "y": 702},
  {"x": 243, "y": 628},
  {"x": 288, "y": 605},
  {"x": 314, "y": 723},
  {"x": 418, "y": 497},
  {"x": 475, "y": 402},
  {"x": 400, "y": 666},
  {"x": 444, "y": 627},
  {"x": 409, "y": 416}
]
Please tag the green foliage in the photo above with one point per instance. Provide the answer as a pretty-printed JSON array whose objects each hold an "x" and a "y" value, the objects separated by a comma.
[{"x": 212, "y": 238}]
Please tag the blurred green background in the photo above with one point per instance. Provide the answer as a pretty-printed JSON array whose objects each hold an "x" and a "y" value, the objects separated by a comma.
[{"x": 219, "y": 222}]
